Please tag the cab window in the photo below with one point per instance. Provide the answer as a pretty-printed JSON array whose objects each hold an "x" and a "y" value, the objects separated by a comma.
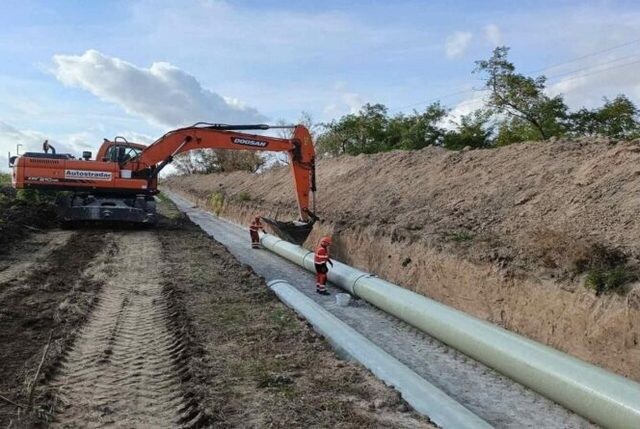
[{"x": 121, "y": 153}]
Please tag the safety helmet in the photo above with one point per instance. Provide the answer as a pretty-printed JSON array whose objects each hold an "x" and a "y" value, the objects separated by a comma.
[{"x": 325, "y": 241}]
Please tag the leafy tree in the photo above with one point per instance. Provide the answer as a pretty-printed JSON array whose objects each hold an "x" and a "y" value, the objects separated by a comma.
[
  {"x": 474, "y": 130},
  {"x": 363, "y": 132},
  {"x": 419, "y": 130},
  {"x": 617, "y": 118},
  {"x": 514, "y": 130},
  {"x": 520, "y": 96},
  {"x": 206, "y": 161},
  {"x": 372, "y": 130},
  {"x": 305, "y": 119}
]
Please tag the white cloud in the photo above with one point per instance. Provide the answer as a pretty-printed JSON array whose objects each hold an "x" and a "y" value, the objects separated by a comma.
[
  {"x": 457, "y": 44},
  {"x": 162, "y": 94},
  {"x": 586, "y": 88},
  {"x": 31, "y": 141},
  {"x": 345, "y": 102},
  {"x": 11, "y": 136},
  {"x": 493, "y": 35},
  {"x": 477, "y": 100}
]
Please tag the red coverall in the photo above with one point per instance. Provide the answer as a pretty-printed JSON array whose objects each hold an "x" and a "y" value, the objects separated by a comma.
[
  {"x": 255, "y": 226},
  {"x": 320, "y": 259}
]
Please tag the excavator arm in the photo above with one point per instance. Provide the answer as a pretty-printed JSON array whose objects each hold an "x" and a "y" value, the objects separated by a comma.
[
  {"x": 215, "y": 136},
  {"x": 119, "y": 184}
]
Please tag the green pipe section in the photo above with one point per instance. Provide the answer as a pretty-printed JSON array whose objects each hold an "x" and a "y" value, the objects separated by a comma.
[{"x": 605, "y": 398}]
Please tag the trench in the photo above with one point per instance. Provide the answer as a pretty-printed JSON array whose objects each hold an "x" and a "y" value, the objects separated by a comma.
[{"x": 490, "y": 395}]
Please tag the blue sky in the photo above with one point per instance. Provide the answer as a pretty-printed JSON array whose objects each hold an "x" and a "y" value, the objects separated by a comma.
[{"x": 77, "y": 71}]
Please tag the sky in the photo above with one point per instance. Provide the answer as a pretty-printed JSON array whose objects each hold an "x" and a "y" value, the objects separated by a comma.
[{"x": 75, "y": 72}]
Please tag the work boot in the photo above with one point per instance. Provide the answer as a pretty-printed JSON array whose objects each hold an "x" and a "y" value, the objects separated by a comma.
[{"x": 322, "y": 292}]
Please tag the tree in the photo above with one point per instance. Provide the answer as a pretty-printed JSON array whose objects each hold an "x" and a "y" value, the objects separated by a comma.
[
  {"x": 371, "y": 130},
  {"x": 617, "y": 118},
  {"x": 419, "y": 130},
  {"x": 514, "y": 130},
  {"x": 474, "y": 130},
  {"x": 363, "y": 132},
  {"x": 521, "y": 97},
  {"x": 206, "y": 161},
  {"x": 305, "y": 119}
]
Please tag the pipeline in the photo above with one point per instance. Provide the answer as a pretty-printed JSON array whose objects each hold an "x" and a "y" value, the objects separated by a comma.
[
  {"x": 424, "y": 397},
  {"x": 605, "y": 398}
]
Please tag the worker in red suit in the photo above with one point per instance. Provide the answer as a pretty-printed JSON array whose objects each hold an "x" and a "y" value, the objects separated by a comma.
[
  {"x": 321, "y": 258},
  {"x": 255, "y": 226}
]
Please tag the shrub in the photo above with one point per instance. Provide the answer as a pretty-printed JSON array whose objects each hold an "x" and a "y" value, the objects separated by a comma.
[
  {"x": 460, "y": 236},
  {"x": 609, "y": 280},
  {"x": 5, "y": 179},
  {"x": 244, "y": 196},
  {"x": 607, "y": 269},
  {"x": 29, "y": 195},
  {"x": 216, "y": 201}
]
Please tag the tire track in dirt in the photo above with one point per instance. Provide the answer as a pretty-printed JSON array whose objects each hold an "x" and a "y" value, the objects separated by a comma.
[{"x": 126, "y": 365}]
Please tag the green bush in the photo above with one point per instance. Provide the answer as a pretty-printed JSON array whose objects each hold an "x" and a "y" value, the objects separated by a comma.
[
  {"x": 460, "y": 236},
  {"x": 216, "y": 201},
  {"x": 244, "y": 196},
  {"x": 607, "y": 269},
  {"x": 5, "y": 179},
  {"x": 609, "y": 280},
  {"x": 29, "y": 195}
]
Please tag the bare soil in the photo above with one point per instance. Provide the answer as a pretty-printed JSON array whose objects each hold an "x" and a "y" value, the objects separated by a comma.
[
  {"x": 41, "y": 294},
  {"x": 511, "y": 235}
]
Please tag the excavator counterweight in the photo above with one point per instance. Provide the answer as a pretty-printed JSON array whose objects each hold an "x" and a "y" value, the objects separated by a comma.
[{"x": 122, "y": 180}]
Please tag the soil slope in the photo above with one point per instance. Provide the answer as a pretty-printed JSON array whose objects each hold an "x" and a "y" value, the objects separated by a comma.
[{"x": 508, "y": 235}]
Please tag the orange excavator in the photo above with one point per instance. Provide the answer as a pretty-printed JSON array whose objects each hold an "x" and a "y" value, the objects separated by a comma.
[{"x": 120, "y": 183}]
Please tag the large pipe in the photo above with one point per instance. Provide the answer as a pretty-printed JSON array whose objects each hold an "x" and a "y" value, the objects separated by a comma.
[
  {"x": 424, "y": 397},
  {"x": 608, "y": 399}
]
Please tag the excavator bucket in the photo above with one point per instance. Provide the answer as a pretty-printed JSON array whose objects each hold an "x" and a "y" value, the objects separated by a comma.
[{"x": 295, "y": 232}]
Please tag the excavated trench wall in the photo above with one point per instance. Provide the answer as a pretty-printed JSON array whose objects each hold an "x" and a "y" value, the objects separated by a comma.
[{"x": 490, "y": 269}]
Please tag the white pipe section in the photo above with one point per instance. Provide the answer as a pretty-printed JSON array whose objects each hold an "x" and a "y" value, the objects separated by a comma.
[
  {"x": 608, "y": 399},
  {"x": 420, "y": 394}
]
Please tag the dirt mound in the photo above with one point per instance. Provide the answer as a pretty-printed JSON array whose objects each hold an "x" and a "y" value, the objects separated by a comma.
[
  {"x": 500, "y": 201},
  {"x": 511, "y": 235}
]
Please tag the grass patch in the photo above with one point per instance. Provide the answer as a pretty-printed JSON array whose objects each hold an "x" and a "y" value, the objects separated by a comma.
[
  {"x": 5, "y": 179},
  {"x": 216, "y": 201},
  {"x": 284, "y": 319},
  {"x": 460, "y": 236},
  {"x": 607, "y": 269},
  {"x": 243, "y": 196},
  {"x": 163, "y": 198},
  {"x": 609, "y": 280}
]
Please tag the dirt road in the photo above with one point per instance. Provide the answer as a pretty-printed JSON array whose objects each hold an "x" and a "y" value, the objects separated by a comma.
[
  {"x": 125, "y": 365},
  {"x": 164, "y": 328},
  {"x": 44, "y": 290}
]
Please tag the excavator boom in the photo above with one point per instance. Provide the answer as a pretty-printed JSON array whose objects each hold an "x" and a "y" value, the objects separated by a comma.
[{"x": 120, "y": 182}]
